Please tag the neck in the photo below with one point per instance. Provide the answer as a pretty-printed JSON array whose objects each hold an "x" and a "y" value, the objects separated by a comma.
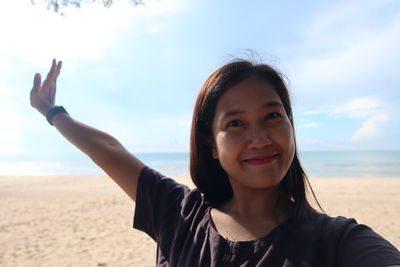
[{"x": 269, "y": 204}]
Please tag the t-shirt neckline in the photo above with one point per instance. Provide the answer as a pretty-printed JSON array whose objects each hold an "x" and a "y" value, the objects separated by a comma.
[{"x": 214, "y": 233}]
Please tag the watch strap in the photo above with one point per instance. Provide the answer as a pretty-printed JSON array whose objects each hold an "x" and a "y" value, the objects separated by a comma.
[{"x": 54, "y": 111}]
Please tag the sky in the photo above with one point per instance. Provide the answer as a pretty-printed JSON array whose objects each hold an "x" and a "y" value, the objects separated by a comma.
[{"x": 135, "y": 72}]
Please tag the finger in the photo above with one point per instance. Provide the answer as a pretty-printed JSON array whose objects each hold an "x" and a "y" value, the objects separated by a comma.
[
  {"x": 37, "y": 81},
  {"x": 52, "y": 69},
  {"x": 54, "y": 89},
  {"x": 58, "y": 70},
  {"x": 49, "y": 76},
  {"x": 53, "y": 94}
]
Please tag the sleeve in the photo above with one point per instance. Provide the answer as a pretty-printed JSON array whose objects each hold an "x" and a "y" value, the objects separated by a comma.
[
  {"x": 359, "y": 245},
  {"x": 158, "y": 203}
]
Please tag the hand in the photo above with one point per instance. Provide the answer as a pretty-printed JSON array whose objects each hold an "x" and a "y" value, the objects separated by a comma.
[{"x": 43, "y": 95}]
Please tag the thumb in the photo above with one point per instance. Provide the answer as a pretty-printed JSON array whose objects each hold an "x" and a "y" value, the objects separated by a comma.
[{"x": 37, "y": 81}]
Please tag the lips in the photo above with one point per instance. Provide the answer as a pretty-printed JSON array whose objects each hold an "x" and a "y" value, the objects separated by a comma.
[{"x": 259, "y": 160}]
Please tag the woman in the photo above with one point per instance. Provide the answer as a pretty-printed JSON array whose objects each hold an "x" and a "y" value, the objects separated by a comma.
[{"x": 250, "y": 206}]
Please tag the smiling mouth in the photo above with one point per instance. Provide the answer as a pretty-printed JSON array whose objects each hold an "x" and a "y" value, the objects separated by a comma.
[{"x": 259, "y": 160}]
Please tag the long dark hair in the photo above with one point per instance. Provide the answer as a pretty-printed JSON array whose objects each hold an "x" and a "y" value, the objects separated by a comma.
[{"x": 206, "y": 172}]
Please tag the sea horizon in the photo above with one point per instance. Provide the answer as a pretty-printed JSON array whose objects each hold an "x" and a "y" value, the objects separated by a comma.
[{"x": 323, "y": 163}]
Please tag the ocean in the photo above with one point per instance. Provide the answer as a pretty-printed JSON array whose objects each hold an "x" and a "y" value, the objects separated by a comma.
[{"x": 315, "y": 163}]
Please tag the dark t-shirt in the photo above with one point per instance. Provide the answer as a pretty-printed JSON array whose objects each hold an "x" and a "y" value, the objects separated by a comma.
[{"x": 178, "y": 219}]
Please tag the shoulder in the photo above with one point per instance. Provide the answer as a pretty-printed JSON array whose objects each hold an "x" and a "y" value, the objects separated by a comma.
[
  {"x": 316, "y": 223},
  {"x": 339, "y": 231},
  {"x": 317, "y": 230},
  {"x": 157, "y": 183},
  {"x": 161, "y": 202},
  {"x": 166, "y": 190},
  {"x": 353, "y": 244},
  {"x": 332, "y": 226}
]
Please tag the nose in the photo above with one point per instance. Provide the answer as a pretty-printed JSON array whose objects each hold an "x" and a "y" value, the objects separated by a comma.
[{"x": 259, "y": 137}]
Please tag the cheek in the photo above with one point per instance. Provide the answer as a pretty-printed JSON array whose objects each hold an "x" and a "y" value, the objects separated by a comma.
[
  {"x": 283, "y": 135},
  {"x": 227, "y": 143},
  {"x": 287, "y": 139},
  {"x": 287, "y": 134}
]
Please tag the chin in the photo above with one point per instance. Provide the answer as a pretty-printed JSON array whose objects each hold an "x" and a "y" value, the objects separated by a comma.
[{"x": 261, "y": 180}]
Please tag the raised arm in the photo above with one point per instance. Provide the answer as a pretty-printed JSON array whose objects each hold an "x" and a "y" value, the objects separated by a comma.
[{"x": 101, "y": 147}]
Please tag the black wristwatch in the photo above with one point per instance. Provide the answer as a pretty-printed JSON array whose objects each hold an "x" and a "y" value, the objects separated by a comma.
[{"x": 52, "y": 112}]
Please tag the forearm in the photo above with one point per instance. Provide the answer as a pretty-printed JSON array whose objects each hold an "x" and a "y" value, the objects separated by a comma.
[
  {"x": 98, "y": 145},
  {"x": 101, "y": 147}
]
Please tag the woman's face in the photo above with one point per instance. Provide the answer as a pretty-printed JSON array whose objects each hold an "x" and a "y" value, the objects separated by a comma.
[{"x": 253, "y": 136}]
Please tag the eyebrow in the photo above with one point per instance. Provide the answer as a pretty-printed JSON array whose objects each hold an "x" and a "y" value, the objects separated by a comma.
[{"x": 266, "y": 105}]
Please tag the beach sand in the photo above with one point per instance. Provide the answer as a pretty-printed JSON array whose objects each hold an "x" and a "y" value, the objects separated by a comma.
[{"x": 87, "y": 220}]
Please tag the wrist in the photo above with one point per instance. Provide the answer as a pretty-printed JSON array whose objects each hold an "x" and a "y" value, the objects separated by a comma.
[
  {"x": 53, "y": 112},
  {"x": 44, "y": 109}
]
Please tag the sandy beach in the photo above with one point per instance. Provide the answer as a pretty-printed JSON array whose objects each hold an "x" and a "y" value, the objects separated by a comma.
[{"x": 87, "y": 220}]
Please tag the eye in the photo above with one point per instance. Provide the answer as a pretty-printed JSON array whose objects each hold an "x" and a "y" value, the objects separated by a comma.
[
  {"x": 273, "y": 115},
  {"x": 234, "y": 123}
]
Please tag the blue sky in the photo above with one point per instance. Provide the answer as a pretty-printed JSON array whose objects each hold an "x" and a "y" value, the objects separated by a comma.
[{"x": 135, "y": 72}]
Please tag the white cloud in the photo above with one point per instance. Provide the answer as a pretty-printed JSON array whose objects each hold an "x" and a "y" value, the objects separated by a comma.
[
  {"x": 11, "y": 128},
  {"x": 349, "y": 47},
  {"x": 18, "y": 120},
  {"x": 156, "y": 28},
  {"x": 6, "y": 92},
  {"x": 35, "y": 35},
  {"x": 362, "y": 107},
  {"x": 11, "y": 133},
  {"x": 342, "y": 17},
  {"x": 162, "y": 8},
  {"x": 372, "y": 110},
  {"x": 370, "y": 129},
  {"x": 4, "y": 61},
  {"x": 161, "y": 134},
  {"x": 31, "y": 36},
  {"x": 307, "y": 125},
  {"x": 348, "y": 64},
  {"x": 305, "y": 144}
]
